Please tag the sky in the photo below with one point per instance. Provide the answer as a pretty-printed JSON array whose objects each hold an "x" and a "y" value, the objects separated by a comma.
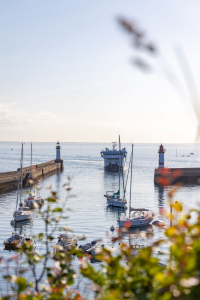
[{"x": 67, "y": 71}]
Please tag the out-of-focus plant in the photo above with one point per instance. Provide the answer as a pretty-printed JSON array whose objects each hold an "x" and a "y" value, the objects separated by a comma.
[
  {"x": 146, "y": 49},
  {"x": 120, "y": 275}
]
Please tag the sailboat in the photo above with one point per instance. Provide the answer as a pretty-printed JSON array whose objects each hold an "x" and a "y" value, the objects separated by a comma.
[
  {"x": 113, "y": 199},
  {"x": 21, "y": 213},
  {"x": 32, "y": 198},
  {"x": 141, "y": 216}
]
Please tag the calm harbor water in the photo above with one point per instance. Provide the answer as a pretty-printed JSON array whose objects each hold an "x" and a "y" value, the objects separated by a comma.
[{"x": 90, "y": 182}]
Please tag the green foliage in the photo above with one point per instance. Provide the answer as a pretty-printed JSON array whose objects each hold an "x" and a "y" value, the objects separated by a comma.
[{"x": 121, "y": 275}]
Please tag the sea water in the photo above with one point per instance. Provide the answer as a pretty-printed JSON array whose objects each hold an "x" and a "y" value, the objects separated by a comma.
[{"x": 83, "y": 163}]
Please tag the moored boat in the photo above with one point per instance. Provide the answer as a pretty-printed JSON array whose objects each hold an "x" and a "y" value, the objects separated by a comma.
[
  {"x": 89, "y": 246},
  {"x": 22, "y": 214},
  {"x": 141, "y": 216},
  {"x": 65, "y": 242},
  {"x": 15, "y": 241}
]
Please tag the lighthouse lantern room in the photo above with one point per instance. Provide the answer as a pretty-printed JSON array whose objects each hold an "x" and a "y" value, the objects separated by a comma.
[
  {"x": 58, "y": 151},
  {"x": 161, "y": 152}
]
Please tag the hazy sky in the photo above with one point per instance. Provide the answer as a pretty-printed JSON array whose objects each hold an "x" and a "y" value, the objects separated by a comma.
[{"x": 66, "y": 71}]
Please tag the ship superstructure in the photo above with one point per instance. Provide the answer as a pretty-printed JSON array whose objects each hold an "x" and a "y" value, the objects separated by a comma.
[{"x": 113, "y": 158}]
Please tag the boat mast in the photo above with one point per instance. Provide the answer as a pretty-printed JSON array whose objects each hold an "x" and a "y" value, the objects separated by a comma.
[
  {"x": 21, "y": 176},
  {"x": 31, "y": 168},
  {"x": 19, "y": 179},
  {"x": 119, "y": 166},
  {"x": 131, "y": 180}
]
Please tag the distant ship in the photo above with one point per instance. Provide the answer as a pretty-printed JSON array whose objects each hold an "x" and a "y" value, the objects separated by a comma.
[{"x": 114, "y": 157}]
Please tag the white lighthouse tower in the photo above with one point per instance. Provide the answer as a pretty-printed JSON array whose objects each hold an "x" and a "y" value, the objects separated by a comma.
[
  {"x": 161, "y": 152},
  {"x": 58, "y": 151}
]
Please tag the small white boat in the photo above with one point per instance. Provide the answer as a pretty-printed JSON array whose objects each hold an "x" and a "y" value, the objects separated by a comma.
[
  {"x": 89, "y": 246},
  {"x": 33, "y": 199},
  {"x": 66, "y": 242},
  {"x": 22, "y": 214},
  {"x": 15, "y": 241}
]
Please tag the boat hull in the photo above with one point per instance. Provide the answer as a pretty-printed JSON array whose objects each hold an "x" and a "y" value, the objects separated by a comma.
[
  {"x": 135, "y": 222},
  {"x": 22, "y": 217},
  {"x": 116, "y": 203}
]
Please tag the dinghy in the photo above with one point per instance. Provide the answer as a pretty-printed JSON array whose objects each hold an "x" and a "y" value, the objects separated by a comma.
[
  {"x": 15, "y": 241},
  {"x": 66, "y": 242},
  {"x": 89, "y": 246}
]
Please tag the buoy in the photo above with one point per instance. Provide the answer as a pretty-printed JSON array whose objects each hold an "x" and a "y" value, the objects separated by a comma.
[
  {"x": 158, "y": 223},
  {"x": 112, "y": 228}
]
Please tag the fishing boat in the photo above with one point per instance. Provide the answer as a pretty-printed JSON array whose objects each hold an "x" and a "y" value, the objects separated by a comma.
[
  {"x": 15, "y": 241},
  {"x": 114, "y": 199},
  {"x": 89, "y": 246},
  {"x": 140, "y": 216},
  {"x": 65, "y": 242},
  {"x": 21, "y": 213}
]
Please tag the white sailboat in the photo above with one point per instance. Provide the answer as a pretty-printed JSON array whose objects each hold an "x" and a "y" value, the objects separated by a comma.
[
  {"x": 141, "y": 216},
  {"x": 21, "y": 213},
  {"x": 114, "y": 198}
]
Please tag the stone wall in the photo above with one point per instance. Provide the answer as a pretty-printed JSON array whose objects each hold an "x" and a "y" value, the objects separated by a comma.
[{"x": 9, "y": 180}]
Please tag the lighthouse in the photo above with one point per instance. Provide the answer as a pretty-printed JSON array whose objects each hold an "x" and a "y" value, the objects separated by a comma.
[
  {"x": 58, "y": 151},
  {"x": 161, "y": 152}
]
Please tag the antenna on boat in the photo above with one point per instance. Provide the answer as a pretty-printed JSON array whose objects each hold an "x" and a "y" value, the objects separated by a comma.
[{"x": 131, "y": 180}]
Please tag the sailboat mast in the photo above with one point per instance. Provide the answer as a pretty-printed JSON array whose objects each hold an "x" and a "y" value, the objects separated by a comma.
[
  {"x": 119, "y": 166},
  {"x": 21, "y": 176},
  {"x": 31, "y": 166},
  {"x": 19, "y": 180},
  {"x": 131, "y": 180}
]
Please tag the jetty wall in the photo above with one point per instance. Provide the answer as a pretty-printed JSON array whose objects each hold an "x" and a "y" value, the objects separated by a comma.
[
  {"x": 9, "y": 180},
  {"x": 177, "y": 175}
]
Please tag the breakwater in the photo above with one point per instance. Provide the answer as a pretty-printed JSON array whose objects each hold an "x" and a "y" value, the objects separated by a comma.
[
  {"x": 165, "y": 176},
  {"x": 9, "y": 180}
]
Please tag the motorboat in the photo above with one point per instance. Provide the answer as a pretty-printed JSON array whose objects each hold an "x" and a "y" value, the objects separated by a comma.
[
  {"x": 140, "y": 216},
  {"x": 65, "y": 242},
  {"x": 15, "y": 241},
  {"x": 89, "y": 246},
  {"x": 33, "y": 199},
  {"x": 22, "y": 214}
]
